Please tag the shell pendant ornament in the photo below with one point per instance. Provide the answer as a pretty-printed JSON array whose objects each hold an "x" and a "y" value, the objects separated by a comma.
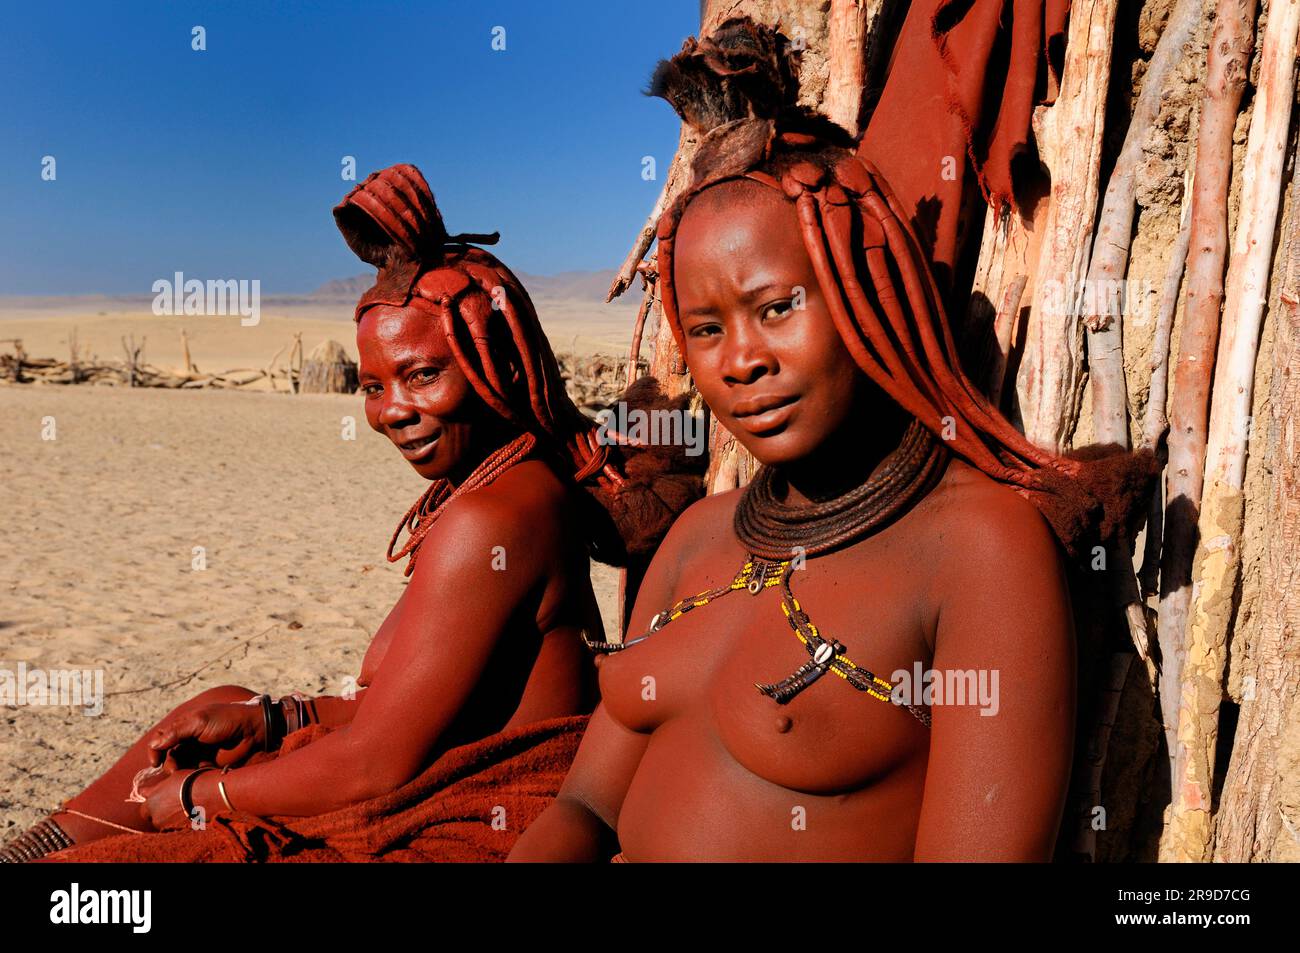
[
  {"x": 823, "y": 657},
  {"x": 823, "y": 652}
]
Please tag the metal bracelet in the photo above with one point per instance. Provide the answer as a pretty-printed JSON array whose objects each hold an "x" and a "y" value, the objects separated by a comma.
[{"x": 267, "y": 725}]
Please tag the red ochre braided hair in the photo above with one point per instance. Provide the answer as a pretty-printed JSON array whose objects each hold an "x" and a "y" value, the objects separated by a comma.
[
  {"x": 392, "y": 222},
  {"x": 737, "y": 88}
]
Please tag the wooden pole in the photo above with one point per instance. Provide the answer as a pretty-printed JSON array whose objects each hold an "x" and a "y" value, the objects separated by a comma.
[
  {"x": 295, "y": 364},
  {"x": 1157, "y": 421},
  {"x": 1069, "y": 134},
  {"x": 269, "y": 370},
  {"x": 74, "y": 357},
  {"x": 1218, "y": 557},
  {"x": 847, "y": 60},
  {"x": 185, "y": 354},
  {"x": 1110, "y": 251},
  {"x": 1256, "y": 820},
  {"x": 1006, "y": 325},
  {"x": 1227, "y": 67}
]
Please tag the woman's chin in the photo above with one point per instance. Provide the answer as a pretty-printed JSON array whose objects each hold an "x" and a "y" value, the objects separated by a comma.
[
  {"x": 776, "y": 450},
  {"x": 432, "y": 469}
]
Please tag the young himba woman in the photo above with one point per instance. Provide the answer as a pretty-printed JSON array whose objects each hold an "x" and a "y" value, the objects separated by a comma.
[
  {"x": 755, "y": 713},
  {"x": 457, "y": 373}
]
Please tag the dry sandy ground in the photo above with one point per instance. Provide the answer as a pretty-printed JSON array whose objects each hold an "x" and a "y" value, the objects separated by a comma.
[{"x": 100, "y": 526}]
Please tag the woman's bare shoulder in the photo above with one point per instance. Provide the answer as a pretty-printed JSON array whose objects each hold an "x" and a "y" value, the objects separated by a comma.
[
  {"x": 996, "y": 575},
  {"x": 974, "y": 519},
  {"x": 528, "y": 503},
  {"x": 706, "y": 521}
]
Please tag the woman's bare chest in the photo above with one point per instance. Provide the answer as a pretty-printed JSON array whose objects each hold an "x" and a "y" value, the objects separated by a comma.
[{"x": 719, "y": 664}]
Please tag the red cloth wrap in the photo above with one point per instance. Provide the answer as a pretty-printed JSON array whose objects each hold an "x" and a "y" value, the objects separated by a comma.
[
  {"x": 974, "y": 69},
  {"x": 445, "y": 814}
]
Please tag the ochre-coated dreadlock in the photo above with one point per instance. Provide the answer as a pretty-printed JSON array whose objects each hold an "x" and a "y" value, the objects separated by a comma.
[
  {"x": 737, "y": 87},
  {"x": 391, "y": 221}
]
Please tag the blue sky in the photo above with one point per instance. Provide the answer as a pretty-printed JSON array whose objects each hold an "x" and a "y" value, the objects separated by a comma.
[{"x": 225, "y": 163}]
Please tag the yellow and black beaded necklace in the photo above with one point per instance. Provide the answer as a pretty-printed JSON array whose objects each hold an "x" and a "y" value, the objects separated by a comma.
[{"x": 776, "y": 534}]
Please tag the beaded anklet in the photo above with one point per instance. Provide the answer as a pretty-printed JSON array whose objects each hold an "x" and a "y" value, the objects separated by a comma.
[{"x": 46, "y": 837}]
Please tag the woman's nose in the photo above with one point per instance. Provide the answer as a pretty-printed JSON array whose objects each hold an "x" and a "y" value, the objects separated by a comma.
[
  {"x": 747, "y": 355},
  {"x": 396, "y": 409}
]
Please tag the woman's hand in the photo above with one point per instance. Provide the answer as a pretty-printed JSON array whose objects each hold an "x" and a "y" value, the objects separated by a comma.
[
  {"x": 162, "y": 801},
  {"x": 224, "y": 734}
]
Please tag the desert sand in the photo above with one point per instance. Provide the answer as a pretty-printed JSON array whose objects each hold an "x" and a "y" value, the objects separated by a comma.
[{"x": 101, "y": 525}]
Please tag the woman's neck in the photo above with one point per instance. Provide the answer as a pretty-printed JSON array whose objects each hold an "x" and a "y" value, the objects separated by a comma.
[
  {"x": 487, "y": 441},
  {"x": 849, "y": 458}
]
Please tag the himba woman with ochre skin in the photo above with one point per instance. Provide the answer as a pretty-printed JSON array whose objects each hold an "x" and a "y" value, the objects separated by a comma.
[
  {"x": 487, "y": 636},
  {"x": 750, "y": 714}
]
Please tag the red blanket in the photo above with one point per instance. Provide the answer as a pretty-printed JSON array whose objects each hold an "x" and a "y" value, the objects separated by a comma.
[{"x": 469, "y": 805}]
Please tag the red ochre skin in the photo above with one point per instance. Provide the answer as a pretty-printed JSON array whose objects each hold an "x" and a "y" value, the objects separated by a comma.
[
  {"x": 468, "y": 649},
  {"x": 707, "y": 768}
]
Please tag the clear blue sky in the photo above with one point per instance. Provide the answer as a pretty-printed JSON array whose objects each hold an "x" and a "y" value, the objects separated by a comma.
[{"x": 226, "y": 163}]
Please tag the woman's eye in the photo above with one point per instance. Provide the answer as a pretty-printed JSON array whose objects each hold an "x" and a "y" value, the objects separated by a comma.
[
  {"x": 705, "y": 330},
  {"x": 776, "y": 309},
  {"x": 372, "y": 390},
  {"x": 425, "y": 374}
]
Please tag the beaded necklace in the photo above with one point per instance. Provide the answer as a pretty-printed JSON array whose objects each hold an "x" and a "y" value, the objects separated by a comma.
[
  {"x": 419, "y": 519},
  {"x": 771, "y": 530}
]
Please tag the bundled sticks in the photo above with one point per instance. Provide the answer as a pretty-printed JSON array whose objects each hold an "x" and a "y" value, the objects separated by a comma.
[{"x": 593, "y": 382}]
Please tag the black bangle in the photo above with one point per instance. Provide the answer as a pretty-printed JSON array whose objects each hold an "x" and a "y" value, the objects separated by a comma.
[
  {"x": 187, "y": 785},
  {"x": 267, "y": 743}
]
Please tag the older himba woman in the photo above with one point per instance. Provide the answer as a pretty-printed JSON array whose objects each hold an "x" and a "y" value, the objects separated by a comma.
[{"x": 480, "y": 665}]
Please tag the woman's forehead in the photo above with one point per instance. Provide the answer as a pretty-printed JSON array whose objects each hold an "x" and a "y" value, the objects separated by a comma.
[
  {"x": 756, "y": 227},
  {"x": 388, "y": 325}
]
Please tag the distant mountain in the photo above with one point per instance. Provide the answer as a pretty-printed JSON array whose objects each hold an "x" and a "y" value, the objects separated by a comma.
[
  {"x": 589, "y": 286},
  {"x": 576, "y": 285},
  {"x": 345, "y": 287}
]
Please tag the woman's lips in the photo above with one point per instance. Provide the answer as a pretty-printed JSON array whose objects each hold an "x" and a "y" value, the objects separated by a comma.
[
  {"x": 763, "y": 415},
  {"x": 417, "y": 449}
]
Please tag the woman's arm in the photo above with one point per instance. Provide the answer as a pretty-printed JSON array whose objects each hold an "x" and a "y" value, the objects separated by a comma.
[
  {"x": 224, "y": 726},
  {"x": 578, "y": 826},
  {"x": 457, "y": 607},
  {"x": 996, "y": 783}
]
